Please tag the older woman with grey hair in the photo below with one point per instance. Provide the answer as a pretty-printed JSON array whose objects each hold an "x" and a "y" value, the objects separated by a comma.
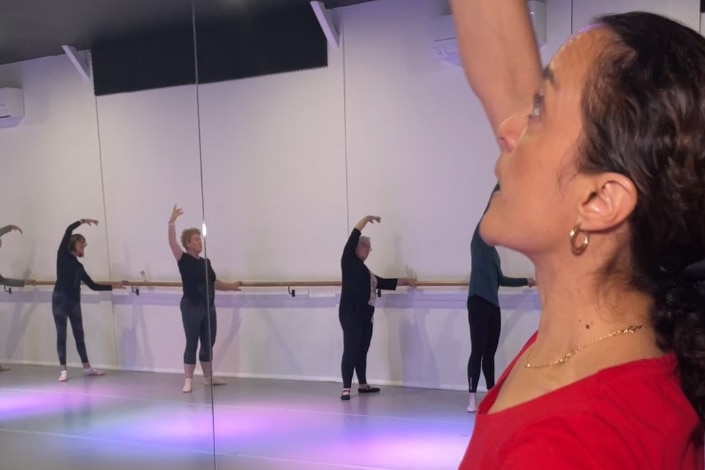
[{"x": 357, "y": 306}]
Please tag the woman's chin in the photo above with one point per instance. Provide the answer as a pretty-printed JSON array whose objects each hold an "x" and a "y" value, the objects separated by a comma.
[{"x": 488, "y": 233}]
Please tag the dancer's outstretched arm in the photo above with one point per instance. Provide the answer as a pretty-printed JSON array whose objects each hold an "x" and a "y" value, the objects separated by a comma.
[{"x": 176, "y": 212}]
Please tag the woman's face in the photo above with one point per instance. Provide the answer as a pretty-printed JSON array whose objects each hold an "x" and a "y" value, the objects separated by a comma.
[
  {"x": 195, "y": 245},
  {"x": 363, "y": 249},
  {"x": 537, "y": 203}
]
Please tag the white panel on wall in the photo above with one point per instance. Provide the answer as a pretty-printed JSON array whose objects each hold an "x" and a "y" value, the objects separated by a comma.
[
  {"x": 51, "y": 163},
  {"x": 151, "y": 161},
  {"x": 274, "y": 174},
  {"x": 420, "y": 152}
]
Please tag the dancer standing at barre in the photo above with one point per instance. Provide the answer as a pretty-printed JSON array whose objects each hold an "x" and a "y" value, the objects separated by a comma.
[
  {"x": 197, "y": 303},
  {"x": 357, "y": 306},
  {"x": 66, "y": 298}
]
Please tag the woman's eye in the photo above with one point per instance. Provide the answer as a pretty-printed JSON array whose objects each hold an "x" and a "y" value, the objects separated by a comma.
[{"x": 536, "y": 107}]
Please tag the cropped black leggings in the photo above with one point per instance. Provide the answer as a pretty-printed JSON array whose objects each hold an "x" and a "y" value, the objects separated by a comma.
[
  {"x": 65, "y": 309},
  {"x": 357, "y": 336},
  {"x": 485, "y": 321},
  {"x": 199, "y": 325}
]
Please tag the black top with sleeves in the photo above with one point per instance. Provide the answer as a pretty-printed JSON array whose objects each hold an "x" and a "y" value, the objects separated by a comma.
[
  {"x": 70, "y": 272},
  {"x": 193, "y": 277},
  {"x": 358, "y": 292}
]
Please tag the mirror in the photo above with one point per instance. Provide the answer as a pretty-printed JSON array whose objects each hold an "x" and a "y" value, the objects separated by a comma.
[{"x": 120, "y": 147}]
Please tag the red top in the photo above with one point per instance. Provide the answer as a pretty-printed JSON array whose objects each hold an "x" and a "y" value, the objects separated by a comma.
[{"x": 633, "y": 416}]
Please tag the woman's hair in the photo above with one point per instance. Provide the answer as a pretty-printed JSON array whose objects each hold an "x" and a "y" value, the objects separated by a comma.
[
  {"x": 75, "y": 238},
  {"x": 643, "y": 112},
  {"x": 187, "y": 234},
  {"x": 363, "y": 240}
]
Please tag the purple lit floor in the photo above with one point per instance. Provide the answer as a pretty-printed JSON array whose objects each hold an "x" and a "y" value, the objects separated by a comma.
[{"x": 140, "y": 420}]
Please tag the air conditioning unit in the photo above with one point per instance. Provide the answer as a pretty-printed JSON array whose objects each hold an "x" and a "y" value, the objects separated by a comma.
[
  {"x": 444, "y": 40},
  {"x": 11, "y": 107}
]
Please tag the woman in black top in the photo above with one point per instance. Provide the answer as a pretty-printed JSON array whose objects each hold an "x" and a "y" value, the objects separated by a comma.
[
  {"x": 197, "y": 304},
  {"x": 357, "y": 306},
  {"x": 66, "y": 299}
]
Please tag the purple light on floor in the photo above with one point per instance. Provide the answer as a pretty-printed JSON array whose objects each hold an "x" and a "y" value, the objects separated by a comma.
[
  {"x": 22, "y": 404},
  {"x": 188, "y": 427}
]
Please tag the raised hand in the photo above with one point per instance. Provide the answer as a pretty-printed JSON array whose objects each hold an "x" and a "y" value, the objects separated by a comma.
[
  {"x": 15, "y": 227},
  {"x": 89, "y": 221},
  {"x": 368, "y": 219},
  {"x": 176, "y": 212}
]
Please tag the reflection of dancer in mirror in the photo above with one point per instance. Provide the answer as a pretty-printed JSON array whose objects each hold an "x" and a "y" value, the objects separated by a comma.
[
  {"x": 197, "y": 303},
  {"x": 357, "y": 306},
  {"x": 484, "y": 315},
  {"x": 12, "y": 282},
  {"x": 602, "y": 186},
  {"x": 66, "y": 299}
]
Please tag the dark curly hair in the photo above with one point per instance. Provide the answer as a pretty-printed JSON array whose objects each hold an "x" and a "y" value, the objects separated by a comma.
[{"x": 643, "y": 112}]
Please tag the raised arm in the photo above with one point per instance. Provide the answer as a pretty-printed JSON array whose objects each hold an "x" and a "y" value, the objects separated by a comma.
[
  {"x": 499, "y": 54},
  {"x": 173, "y": 244},
  {"x": 368, "y": 219},
  {"x": 9, "y": 228},
  {"x": 354, "y": 238},
  {"x": 64, "y": 245}
]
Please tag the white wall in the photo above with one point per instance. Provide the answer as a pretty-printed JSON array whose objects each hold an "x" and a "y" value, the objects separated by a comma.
[{"x": 290, "y": 162}]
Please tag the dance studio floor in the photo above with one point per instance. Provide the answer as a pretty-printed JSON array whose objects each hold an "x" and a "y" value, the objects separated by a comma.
[{"x": 142, "y": 420}]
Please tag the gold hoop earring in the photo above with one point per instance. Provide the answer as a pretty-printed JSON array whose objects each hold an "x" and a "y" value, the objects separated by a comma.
[{"x": 579, "y": 249}]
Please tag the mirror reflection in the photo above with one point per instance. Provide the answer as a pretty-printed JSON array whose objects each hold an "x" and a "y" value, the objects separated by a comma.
[{"x": 106, "y": 145}]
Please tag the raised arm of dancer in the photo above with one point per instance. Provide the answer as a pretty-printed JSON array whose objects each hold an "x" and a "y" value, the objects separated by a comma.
[
  {"x": 173, "y": 244},
  {"x": 9, "y": 228},
  {"x": 222, "y": 285},
  {"x": 499, "y": 54},
  {"x": 6, "y": 281},
  {"x": 354, "y": 238},
  {"x": 64, "y": 245},
  {"x": 368, "y": 219}
]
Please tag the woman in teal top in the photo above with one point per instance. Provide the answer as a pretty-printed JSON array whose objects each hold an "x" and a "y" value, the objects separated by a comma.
[{"x": 484, "y": 314}]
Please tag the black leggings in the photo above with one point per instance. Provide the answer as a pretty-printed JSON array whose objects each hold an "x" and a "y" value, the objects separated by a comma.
[
  {"x": 199, "y": 324},
  {"x": 357, "y": 336},
  {"x": 485, "y": 322},
  {"x": 64, "y": 308}
]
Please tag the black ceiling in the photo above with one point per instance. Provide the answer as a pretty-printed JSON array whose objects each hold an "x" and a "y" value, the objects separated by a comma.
[{"x": 30, "y": 29}]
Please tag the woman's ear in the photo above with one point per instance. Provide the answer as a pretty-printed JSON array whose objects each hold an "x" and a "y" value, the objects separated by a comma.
[{"x": 608, "y": 201}]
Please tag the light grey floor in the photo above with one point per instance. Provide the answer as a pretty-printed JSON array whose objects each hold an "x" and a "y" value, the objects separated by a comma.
[{"x": 135, "y": 420}]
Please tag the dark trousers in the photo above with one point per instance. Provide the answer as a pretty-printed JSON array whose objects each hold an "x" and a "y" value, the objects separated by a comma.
[
  {"x": 199, "y": 325},
  {"x": 357, "y": 336},
  {"x": 485, "y": 323},
  {"x": 63, "y": 309}
]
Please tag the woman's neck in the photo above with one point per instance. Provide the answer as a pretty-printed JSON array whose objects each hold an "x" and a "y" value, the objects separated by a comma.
[{"x": 577, "y": 310}]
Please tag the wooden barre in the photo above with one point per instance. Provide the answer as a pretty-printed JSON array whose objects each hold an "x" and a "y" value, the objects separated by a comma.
[{"x": 269, "y": 283}]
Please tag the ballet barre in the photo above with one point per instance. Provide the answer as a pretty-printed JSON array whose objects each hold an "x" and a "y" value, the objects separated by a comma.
[{"x": 290, "y": 285}]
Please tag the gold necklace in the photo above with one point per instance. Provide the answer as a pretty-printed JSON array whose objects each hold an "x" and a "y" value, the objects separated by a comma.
[{"x": 566, "y": 357}]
